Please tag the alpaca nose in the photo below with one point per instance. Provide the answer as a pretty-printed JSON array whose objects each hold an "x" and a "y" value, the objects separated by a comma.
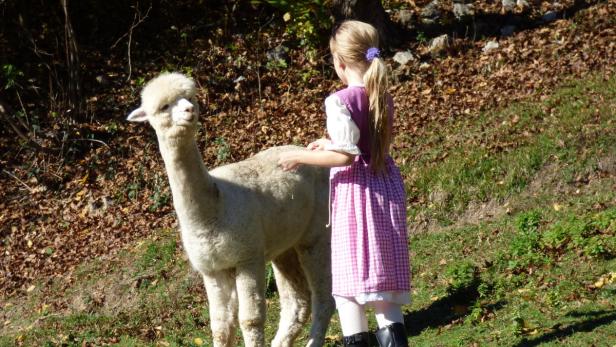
[{"x": 188, "y": 108}]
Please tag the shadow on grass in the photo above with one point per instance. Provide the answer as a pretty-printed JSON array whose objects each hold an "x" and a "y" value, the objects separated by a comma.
[
  {"x": 595, "y": 320},
  {"x": 446, "y": 310}
]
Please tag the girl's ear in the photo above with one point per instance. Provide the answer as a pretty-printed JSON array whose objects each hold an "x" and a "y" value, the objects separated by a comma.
[
  {"x": 338, "y": 62},
  {"x": 137, "y": 116}
]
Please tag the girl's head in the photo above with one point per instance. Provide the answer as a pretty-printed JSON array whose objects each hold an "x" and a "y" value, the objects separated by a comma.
[{"x": 354, "y": 45}]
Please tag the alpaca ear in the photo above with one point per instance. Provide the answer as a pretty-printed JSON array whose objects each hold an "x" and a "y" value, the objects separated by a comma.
[{"x": 137, "y": 116}]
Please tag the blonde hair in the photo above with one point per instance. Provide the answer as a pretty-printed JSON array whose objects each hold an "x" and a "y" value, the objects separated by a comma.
[{"x": 350, "y": 42}]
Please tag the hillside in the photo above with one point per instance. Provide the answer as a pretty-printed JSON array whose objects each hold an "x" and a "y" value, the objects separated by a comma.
[{"x": 508, "y": 156}]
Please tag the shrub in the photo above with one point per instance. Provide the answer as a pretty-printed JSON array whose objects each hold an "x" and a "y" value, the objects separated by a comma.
[
  {"x": 306, "y": 19},
  {"x": 461, "y": 276}
]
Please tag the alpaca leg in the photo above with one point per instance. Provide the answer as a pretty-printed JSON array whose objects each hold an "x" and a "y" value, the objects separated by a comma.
[
  {"x": 222, "y": 299},
  {"x": 250, "y": 284},
  {"x": 315, "y": 260},
  {"x": 294, "y": 298}
]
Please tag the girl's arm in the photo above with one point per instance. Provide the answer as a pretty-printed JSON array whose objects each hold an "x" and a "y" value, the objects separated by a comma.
[
  {"x": 291, "y": 160},
  {"x": 318, "y": 145}
]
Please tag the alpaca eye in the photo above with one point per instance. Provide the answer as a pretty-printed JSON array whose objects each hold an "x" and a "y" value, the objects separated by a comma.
[{"x": 164, "y": 107}]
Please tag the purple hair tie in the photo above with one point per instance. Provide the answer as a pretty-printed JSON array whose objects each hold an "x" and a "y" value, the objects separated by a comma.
[{"x": 372, "y": 53}]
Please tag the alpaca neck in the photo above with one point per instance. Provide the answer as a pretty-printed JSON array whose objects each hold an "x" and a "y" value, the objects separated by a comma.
[{"x": 195, "y": 196}]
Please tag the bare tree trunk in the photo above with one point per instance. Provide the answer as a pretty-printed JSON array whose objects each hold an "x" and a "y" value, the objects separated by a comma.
[
  {"x": 74, "y": 96},
  {"x": 369, "y": 11}
]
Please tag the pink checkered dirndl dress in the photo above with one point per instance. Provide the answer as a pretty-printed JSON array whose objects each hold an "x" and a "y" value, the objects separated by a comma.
[{"x": 370, "y": 256}]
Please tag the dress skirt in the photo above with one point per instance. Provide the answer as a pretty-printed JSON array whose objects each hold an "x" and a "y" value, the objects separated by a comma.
[{"x": 370, "y": 257}]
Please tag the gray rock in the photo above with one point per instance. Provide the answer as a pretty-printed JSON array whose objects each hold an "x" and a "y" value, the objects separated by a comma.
[
  {"x": 277, "y": 53},
  {"x": 405, "y": 18},
  {"x": 431, "y": 12},
  {"x": 403, "y": 58},
  {"x": 102, "y": 80},
  {"x": 439, "y": 44},
  {"x": 509, "y": 5},
  {"x": 523, "y": 4},
  {"x": 490, "y": 46},
  {"x": 507, "y": 30},
  {"x": 549, "y": 16},
  {"x": 461, "y": 11}
]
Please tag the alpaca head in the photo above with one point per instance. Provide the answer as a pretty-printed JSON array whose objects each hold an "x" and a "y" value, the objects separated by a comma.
[{"x": 169, "y": 104}]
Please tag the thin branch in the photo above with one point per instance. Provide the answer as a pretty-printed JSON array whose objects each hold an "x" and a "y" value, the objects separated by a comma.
[
  {"x": 5, "y": 110},
  {"x": 92, "y": 140},
  {"x": 137, "y": 20},
  {"x": 20, "y": 181},
  {"x": 23, "y": 108}
]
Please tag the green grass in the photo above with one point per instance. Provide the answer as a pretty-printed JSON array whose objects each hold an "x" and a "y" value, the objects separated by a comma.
[
  {"x": 535, "y": 268},
  {"x": 521, "y": 280},
  {"x": 525, "y": 277},
  {"x": 497, "y": 155}
]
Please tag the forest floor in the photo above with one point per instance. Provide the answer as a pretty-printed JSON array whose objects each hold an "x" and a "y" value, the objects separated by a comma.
[{"x": 509, "y": 160}]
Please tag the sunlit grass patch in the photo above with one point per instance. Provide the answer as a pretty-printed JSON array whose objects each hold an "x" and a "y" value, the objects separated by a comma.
[{"x": 494, "y": 157}]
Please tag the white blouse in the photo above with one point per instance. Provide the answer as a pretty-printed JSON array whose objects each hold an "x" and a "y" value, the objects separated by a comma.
[{"x": 342, "y": 131}]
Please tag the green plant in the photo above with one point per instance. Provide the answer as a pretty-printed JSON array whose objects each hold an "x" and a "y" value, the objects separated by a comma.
[
  {"x": 309, "y": 74},
  {"x": 11, "y": 75},
  {"x": 132, "y": 190},
  {"x": 528, "y": 222},
  {"x": 421, "y": 37},
  {"x": 589, "y": 235},
  {"x": 306, "y": 19},
  {"x": 595, "y": 247},
  {"x": 553, "y": 298},
  {"x": 112, "y": 127},
  {"x": 223, "y": 150},
  {"x": 556, "y": 237},
  {"x": 606, "y": 220},
  {"x": 158, "y": 255},
  {"x": 477, "y": 312},
  {"x": 187, "y": 70},
  {"x": 524, "y": 247},
  {"x": 140, "y": 81},
  {"x": 160, "y": 197},
  {"x": 276, "y": 64},
  {"x": 461, "y": 275}
]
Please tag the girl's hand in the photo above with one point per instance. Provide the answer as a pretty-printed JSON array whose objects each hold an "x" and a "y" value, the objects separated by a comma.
[
  {"x": 289, "y": 161},
  {"x": 318, "y": 145}
]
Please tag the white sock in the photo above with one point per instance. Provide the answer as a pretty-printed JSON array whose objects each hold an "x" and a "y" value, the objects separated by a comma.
[
  {"x": 387, "y": 313},
  {"x": 352, "y": 318}
]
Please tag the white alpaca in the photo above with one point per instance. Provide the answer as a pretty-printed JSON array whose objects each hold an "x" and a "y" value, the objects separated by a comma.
[{"x": 239, "y": 216}]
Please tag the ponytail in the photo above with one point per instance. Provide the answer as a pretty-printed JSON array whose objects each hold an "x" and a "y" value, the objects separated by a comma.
[
  {"x": 355, "y": 43},
  {"x": 375, "y": 80}
]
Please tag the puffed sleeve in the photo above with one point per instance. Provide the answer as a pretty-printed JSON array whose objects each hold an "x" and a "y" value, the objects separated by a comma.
[{"x": 342, "y": 131}]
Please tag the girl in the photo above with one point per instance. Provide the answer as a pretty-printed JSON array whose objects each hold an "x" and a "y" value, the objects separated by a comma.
[{"x": 370, "y": 264}]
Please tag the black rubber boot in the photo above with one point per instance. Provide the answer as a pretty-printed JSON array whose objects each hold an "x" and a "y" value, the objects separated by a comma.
[
  {"x": 357, "y": 340},
  {"x": 392, "y": 336}
]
